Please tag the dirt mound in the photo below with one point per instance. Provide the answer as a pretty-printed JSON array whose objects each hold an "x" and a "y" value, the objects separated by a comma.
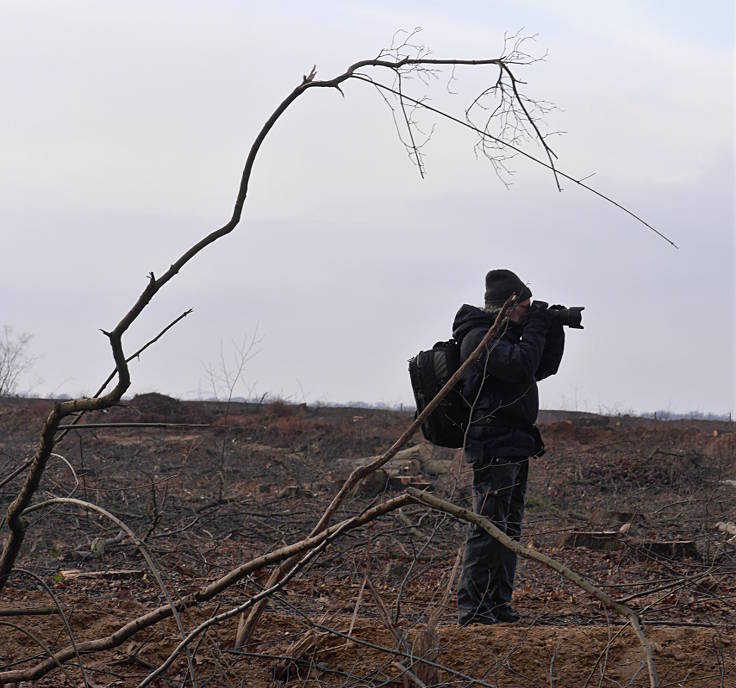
[{"x": 156, "y": 407}]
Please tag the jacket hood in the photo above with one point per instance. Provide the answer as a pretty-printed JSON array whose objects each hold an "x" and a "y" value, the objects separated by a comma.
[{"x": 470, "y": 318}]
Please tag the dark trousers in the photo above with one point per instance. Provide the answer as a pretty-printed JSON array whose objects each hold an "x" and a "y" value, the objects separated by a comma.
[{"x": 499, "y": 490}]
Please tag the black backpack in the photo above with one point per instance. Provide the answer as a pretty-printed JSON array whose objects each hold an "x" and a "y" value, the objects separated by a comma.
[{"x": 429, "y": 371}]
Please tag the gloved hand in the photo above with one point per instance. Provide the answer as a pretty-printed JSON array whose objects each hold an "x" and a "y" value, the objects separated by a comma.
[{"x": 539, "y": 313}]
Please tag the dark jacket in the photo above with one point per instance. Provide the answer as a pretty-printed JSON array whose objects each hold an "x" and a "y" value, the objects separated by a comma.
[{"x": 501, "y": 386}]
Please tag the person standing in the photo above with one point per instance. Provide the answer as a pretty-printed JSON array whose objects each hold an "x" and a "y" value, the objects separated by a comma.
[{"x": 501, "y": 388}]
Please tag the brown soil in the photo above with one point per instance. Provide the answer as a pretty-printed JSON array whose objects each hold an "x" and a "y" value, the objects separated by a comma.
[{"x": 258, "y": 477}]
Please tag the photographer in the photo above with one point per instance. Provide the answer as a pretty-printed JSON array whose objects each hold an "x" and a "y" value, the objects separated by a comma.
[{"x": 501, "y": 388}]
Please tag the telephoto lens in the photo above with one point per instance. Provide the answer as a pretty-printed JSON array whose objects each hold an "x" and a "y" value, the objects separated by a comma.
[{"x": 562, "y": 315}]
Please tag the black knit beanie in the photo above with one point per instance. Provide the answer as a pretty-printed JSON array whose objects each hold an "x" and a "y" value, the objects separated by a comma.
[{"x": 500, "y": 284}]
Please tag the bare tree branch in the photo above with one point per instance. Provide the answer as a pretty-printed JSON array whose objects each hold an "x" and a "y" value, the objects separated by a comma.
[
  {"x": 55, "y": 662},
  {"x": 111, "y": 376},
  {"x": 558, "y": 172}
]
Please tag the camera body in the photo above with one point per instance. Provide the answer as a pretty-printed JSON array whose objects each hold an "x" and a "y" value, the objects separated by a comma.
[{"x": 561, "y": 315}]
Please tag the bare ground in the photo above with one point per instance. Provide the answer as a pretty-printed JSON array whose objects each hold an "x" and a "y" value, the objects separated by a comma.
[{"x": 258, "y": 477}]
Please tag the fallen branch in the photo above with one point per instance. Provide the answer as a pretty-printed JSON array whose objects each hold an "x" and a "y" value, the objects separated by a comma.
[
  {"x": 74, "y": 574},
  {"x": 15, "y": 472},
  {"x": 42, "y": 645},
  {"x": 100, "y": 426},
  {"x": 217, "y": 618},
  {"x": 410, "y": 674},
  {"x": 28, "y": 611},
  {"x": 308, "y": 545}
]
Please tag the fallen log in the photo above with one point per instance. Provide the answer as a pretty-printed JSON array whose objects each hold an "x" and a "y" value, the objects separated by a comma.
[
  {"x": 74, "y": 574},
  {"x": 611, "y": 540},
  {"x": 28, "y": 611},
  {"x": 601, "y": 540},
  {"x": 664, "y": 549}
]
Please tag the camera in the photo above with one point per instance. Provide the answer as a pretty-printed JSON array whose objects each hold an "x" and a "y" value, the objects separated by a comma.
[{"x": 561, "y": 315}]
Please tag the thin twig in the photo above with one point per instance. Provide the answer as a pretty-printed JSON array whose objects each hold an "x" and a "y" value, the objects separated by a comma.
[
  {"x": 17, "y": 471},
  {"x": 524, "y": 153}
]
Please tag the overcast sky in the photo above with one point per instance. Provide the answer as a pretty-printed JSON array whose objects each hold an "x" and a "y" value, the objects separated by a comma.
[{"x": 123, "y": 131}]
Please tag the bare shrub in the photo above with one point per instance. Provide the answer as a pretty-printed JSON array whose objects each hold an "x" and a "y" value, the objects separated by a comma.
[{"x": 14, "y": 359}]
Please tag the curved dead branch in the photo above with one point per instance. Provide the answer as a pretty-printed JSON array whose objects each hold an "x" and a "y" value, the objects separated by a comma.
[
  {"x": 218, "y": 618},
  {"x": 56, "y": 663},
  {"x": 14, "y": 518}
]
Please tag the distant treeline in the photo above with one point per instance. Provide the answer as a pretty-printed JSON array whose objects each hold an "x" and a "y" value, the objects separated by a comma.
[{"x": 690, "y": 415}]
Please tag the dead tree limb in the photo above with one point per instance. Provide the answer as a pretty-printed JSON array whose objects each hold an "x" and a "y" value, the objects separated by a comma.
[
  {"x": 42, "y": 645},
  {"x": 143, "y": 426},
  {"x": 218, "y": 618},
  {"x": 555, "y": 170},
  {"x": 15, "y": 472},
  {"x": 28, "y": 611}
]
